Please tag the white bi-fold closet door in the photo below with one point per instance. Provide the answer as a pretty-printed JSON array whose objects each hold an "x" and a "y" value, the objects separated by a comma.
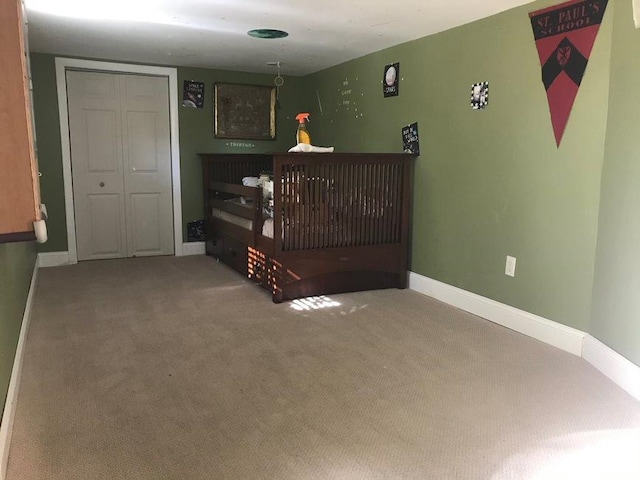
[{"x": 121, "y": 164}]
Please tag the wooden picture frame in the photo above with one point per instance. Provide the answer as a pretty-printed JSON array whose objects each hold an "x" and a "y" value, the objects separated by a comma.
[{"x": 244, "y": 111}]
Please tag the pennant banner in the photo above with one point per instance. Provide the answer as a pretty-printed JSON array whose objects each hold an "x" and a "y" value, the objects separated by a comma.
[{"x": 564, "y": 36}]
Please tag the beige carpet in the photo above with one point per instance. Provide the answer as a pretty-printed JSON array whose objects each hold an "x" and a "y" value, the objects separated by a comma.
[{"x": 178, "y": 368}]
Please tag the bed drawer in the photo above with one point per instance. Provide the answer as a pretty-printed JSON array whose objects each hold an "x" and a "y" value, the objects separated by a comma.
[
  {"x": 215, "y": 246},
  {"x": 234, "y": 254}
]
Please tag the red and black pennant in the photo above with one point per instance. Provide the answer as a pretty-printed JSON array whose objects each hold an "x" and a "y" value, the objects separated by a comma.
[{"x": 564, "y": 36}]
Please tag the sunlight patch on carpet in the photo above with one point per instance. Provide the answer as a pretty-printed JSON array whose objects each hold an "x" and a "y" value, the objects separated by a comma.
[{"x": 313, "y": 303}]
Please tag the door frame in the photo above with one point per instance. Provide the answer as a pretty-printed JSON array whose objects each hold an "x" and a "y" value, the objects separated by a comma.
[{"x": 64, "y": 64}]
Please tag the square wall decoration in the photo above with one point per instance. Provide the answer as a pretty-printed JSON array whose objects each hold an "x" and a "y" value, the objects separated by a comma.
[
  {"x": 244, "y": 111},
  {"x": 480, "y": 95}
]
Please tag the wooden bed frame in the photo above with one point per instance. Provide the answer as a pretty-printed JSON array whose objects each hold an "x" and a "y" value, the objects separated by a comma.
[{"x": 340, "y": 221}]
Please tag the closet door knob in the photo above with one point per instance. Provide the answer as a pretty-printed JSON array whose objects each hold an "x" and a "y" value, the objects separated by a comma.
[{"x": 102, "y": 184}]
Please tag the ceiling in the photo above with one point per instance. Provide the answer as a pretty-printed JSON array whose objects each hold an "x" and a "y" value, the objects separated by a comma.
[{"x": 213, "y": 33}]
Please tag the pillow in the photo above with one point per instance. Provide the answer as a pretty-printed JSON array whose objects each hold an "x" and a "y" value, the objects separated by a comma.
[{"x": 250, "y": 181}]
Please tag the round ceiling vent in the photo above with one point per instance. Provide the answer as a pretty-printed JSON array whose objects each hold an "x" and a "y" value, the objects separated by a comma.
[{"x": 267, "y": 33}]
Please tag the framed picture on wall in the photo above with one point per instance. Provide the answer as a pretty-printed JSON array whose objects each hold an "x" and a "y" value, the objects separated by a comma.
[{"x": 244, "y": 111}]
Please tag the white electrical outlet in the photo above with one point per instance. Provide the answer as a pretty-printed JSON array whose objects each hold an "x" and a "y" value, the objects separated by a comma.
[{"x": 510, "y": 267}]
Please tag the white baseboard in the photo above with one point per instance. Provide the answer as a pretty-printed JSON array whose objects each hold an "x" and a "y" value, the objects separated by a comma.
[
  {"x": 193, "y": 248},
  {"x": 53, "y": 259},
  {"x": 8, "y": 415},
  {"x": 623, "y": 372},
  {"x": 540, "y": 328},
  {"x": 56, "y": 259}
]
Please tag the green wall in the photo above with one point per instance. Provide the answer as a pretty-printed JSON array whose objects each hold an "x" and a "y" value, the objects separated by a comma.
[
  {"x": 196, "y": 135},
  {"x": 47, "y": 125},
  {"x": 488, "y": 183},
  {"x": 616, "y": 295},
  {"x": 16, "y": 268}
]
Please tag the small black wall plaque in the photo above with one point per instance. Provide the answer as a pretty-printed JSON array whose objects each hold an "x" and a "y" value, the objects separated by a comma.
[
  {"x": 479, "y": 95},
  {"x": 391, "y": 79},
  {"x": 410, "y": 140},
  {"x": 193, "y": 94}
]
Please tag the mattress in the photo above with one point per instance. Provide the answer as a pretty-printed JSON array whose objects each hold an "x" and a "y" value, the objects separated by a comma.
[{"x": 231, "y": 218}]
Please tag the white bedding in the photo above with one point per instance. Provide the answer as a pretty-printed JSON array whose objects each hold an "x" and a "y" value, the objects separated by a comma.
[{"x": 267, "y": 228}]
